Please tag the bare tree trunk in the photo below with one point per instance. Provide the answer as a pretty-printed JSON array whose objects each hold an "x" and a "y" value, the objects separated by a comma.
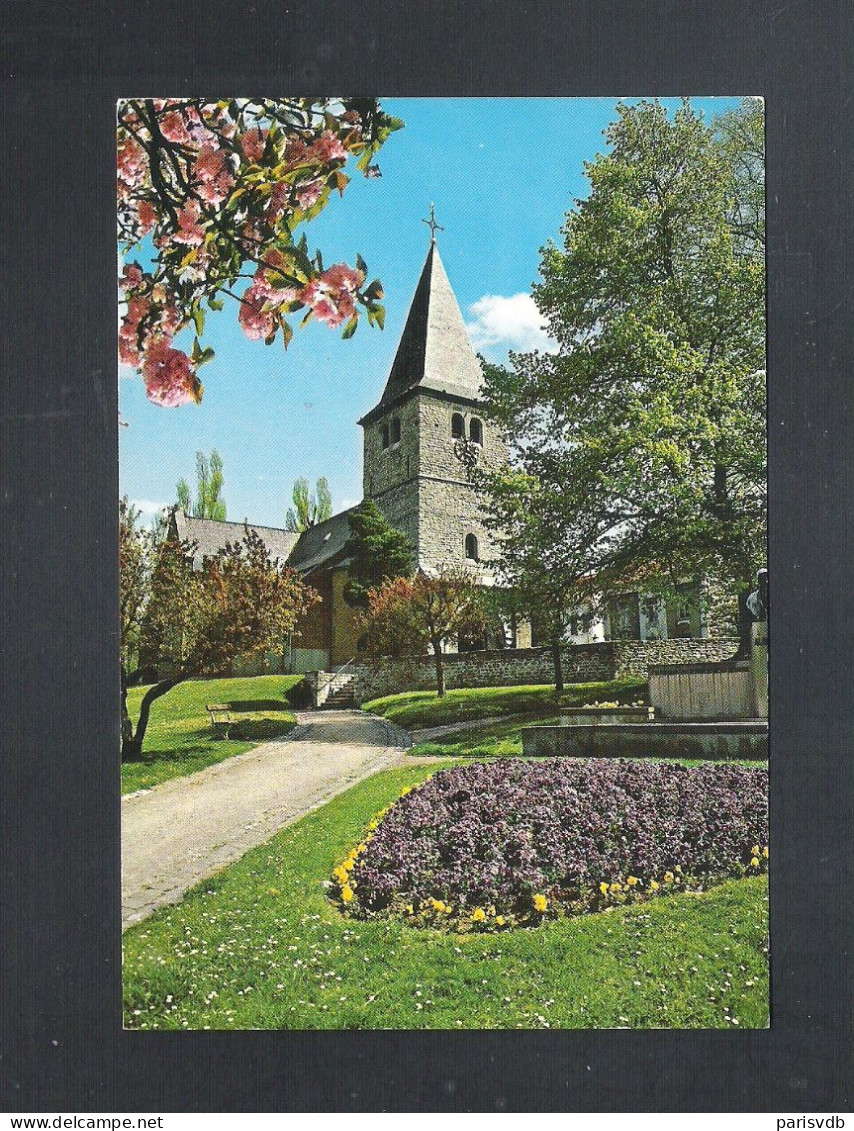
[
  {"x": 132, "y": 748},
  {"x": 558, "y": 663},
  {"x": 127, "y": 725},
  {"x": 440, "y": 667}
]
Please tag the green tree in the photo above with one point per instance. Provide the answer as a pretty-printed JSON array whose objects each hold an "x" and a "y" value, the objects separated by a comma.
[
  {"x": 645, "y": 433},
  {"x": 310, "y": 507},
  {"x": 409, "y": 616},
  {"x": 241, "y": 602},
  {"x": 209, "y": 482},
  {"x": 376, "y": 552}
]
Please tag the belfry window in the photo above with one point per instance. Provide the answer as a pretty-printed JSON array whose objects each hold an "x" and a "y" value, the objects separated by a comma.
[
  {"x": 476, "y": 431},
  {"x": 385, "y": 435},
  {"x": 458, "y": 427},
  {"x": 471, "y": 548},
  {"x": 395, "y": 430}
]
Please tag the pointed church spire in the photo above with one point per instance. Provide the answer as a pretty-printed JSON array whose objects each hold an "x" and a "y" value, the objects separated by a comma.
[{"x": 434, "y": 351}]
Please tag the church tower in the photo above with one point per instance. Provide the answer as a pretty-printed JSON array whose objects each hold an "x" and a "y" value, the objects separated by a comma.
[{"x": 430, "y": 413}]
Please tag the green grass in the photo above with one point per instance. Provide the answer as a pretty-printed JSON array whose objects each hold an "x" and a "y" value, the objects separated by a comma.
[
  {"x": 415, "y": 709},
  {"x": 260, "y": 946},
  {"x": 179, "y": 739}
]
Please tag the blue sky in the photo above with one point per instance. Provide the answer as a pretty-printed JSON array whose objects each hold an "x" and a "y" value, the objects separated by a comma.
[{"x": 503, "y": 173}]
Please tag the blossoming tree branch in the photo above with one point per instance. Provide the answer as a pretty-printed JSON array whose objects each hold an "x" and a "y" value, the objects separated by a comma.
[{"x": 211, "y": 195}]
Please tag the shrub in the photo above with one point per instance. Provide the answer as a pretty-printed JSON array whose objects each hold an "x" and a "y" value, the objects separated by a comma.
[{"x": 509, "y": 842}]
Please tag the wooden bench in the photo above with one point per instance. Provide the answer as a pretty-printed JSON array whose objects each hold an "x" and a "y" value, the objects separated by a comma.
[{"x": 220, "y": 715}]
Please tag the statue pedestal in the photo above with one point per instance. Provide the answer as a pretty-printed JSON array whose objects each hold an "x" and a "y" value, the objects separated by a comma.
[{"x": 759, "y": 667}]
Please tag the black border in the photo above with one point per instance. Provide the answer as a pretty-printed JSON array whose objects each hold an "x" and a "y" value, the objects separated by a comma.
[{"x": 65, "y": 64}]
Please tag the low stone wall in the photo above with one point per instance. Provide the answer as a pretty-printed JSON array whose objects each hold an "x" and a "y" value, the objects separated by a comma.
[
  {"x": 717, "y": 741},
  {"x": 510, "y": 667}
]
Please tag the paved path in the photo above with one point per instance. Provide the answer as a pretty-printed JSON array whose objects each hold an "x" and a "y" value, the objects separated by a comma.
[{"x": 180, "y": 832}]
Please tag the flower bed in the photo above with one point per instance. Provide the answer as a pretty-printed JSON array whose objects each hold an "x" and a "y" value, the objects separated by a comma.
[{"x": 506, "y": 843}]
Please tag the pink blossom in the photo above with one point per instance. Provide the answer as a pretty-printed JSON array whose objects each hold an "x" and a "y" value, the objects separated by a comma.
[
  {"x": 278, "y": 199},
  {"x": 174, "y": 128},
  {"x": 258, "y": 322},
  {"x": 209, "y": 163},
  {"x": 130, "y": 163},
  {"x": 169, "y": 375},
  {"x": 309, "y": 193},
  {"x": 131, "y": 276},
  {"x": 332, "y": 296},
  {"x": 146, "y": 215},
  {"x": 328, "y": 148},
  {"x": 189, "y": 232},
  {"x": 252, "y": 144},
  {"x": 138, "y": 307}
]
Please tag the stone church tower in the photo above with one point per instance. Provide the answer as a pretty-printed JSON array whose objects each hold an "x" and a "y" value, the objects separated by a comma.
[{"x": 414, "y": 438}]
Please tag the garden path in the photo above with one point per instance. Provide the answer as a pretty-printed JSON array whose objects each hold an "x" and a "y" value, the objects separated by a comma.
[{"x": 181, "y": 832}]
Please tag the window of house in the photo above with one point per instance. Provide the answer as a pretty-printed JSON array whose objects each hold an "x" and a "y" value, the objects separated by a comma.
[
  {"x": 385, "y": 435},
  {"x": 475, "y": 431},
  {"x": 395, "y": 430},
  {"x": 458, "y": 427},
  {"x": 471, "y": 547}
]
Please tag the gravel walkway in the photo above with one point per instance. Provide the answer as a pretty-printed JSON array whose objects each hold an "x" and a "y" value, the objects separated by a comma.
[{"x": 181, "y": 832}]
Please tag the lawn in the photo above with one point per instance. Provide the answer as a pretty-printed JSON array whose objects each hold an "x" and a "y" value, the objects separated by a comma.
[
  {"x": 179, "y": 739},
  {"x": 260, "y": 946},
  {"x": 416, "y": 709}
]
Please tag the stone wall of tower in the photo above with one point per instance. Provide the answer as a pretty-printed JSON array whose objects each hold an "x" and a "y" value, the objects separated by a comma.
[
  {"x": 389, "y": 476},
  {"x": 449, "y": 508}
]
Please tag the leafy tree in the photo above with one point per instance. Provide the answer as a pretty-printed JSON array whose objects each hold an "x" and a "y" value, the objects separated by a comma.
[
  {"x": 240, "y": 603},
  {"x": 644, "y": 435},
  {"x": 376, "y": 551},
  {"x": 408, "y": 616},
  {"x": 209, "y": 502},
  {"x": 136, "y": 560},
  {"x": 220, "y": 189},
  {"x": 309, "y": 507}
]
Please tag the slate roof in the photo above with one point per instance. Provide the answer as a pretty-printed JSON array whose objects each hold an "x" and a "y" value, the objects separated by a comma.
[
  {"x": 211, "y": 536},
  {"x": 321, "y": 542},
  {"x": 434, "y": 353}
]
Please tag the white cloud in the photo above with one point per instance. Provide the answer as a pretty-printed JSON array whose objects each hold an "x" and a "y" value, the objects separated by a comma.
[
  {"x": 510, "y": 321},
  {"x": 147, "y": 507}
]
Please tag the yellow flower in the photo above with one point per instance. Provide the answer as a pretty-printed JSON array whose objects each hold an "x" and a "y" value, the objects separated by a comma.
[
  {"x": 668, "y": 877},
  {"x": 499, "y": 919},
  {"x": 603, "y": 887},
  {"x": 373, "y": 824},
  {"x": 765, "y": 851},
  {"x": 754, "y": 863},
  {"x": 346, "y": 893},
  {"x": 631, "y": 881},
  {"x": 540, "y": 903},
  {"x": 679, "y": 869},
  {"x": 653, "y": 886},
  {"x": 348, "y": 864},
  {"x": 406, "y": 789},
  {"x": 340, "y": 874},
  {"x": 615, "y": 887},
  {"x": 361, "y": 848},
  {"x": 755, "y": 850},
  {"x": 408, "y": 909},
  {"x": 478, "y": 915},
  {"x": 437, "y": 904},
  {"x": 448, "y": 909}
]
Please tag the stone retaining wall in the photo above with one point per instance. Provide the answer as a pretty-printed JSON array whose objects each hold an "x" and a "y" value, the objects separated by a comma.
[{"x": 510, "y": 667}]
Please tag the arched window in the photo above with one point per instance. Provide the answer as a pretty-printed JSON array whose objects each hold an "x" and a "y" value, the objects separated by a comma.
[
  {"x": 385, "y": 435},
  {"x": 475, "y": 431},
  {"x": 471, "y": 548},
  {"x": 458, "y": 427},
  {"x": 395, "y": 430}
]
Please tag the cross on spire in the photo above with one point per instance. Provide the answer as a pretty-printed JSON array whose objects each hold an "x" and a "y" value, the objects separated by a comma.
[{"x": 431, "y": 223}]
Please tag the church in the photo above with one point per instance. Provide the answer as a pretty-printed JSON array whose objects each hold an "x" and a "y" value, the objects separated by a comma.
[{"x": 415, "y": 440}]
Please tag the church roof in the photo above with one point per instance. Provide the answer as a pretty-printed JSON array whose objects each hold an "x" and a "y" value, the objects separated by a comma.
[
  {"x": 303, "y": 552},
  {"x": 321, "y": 542},
  {"x": 211, "y": 535},
  {"x": 434, "y": 353}
]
